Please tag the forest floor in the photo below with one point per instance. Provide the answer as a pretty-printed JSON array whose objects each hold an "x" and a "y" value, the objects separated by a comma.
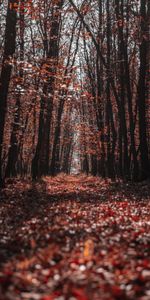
[{"x": 74, "y": 238}]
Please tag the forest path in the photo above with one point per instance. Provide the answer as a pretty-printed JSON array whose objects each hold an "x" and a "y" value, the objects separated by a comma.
[{"x": 75, "y": 237}]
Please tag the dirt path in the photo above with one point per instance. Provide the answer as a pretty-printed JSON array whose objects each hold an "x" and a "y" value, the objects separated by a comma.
[{"x": 70, "y": 237}]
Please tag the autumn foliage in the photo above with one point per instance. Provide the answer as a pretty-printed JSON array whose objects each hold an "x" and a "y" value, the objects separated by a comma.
[
  {"x": 74, "y": 87},
  {"x": 75, "y": 238},
  {"x": 74, "y": 150}
]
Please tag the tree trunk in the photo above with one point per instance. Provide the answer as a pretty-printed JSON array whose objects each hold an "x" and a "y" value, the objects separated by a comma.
[
  {"x": 40, "y": 162},
  {"x": 145, "y": 167},
  {"x": 14, "y": 142},
  {"x": 9, "y": 50}
]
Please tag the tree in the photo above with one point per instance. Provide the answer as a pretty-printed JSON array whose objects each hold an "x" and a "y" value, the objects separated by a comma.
[
  {"x": 78, "y": 90},
  {"x": 40, "y": 162},
  {"x": 9, "y": 50},
  {"x": 14, "y": 140},
  {"x": 145, "y": 167}
]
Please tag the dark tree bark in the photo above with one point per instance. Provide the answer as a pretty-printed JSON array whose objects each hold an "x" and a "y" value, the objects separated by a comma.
[
  {"x": 124, "y": 164},
  {"x": 109, "y": 112},
  {"x": 145, "y": 166},
  {"x": 55, "y": 162},
  {"x": 40, "y": 162},
  {"x": 35, "y": 161},
  {"x": 14, "y": 140},
  {"x": 9, "y": 50}
]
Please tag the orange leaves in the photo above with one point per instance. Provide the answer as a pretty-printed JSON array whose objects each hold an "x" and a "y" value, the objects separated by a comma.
[
  {"x": 86, "y": 35},
  {"x": 88, "y": 249},
  {"x": 25, "y": 264},
  {"x": 25, "y": 8}
]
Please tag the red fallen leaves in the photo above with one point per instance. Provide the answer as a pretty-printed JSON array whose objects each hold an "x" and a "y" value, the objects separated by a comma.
[
  {"x": 135, "y": 218},
  {"x": 77, "y": 293},
  {"x": 5, "y": 278},
  {"x": 117, "y": 292},
  {"x": 52, "y": 296},
  {"x": 145, "y": 263},
  {"x": 92, "y": 245}
]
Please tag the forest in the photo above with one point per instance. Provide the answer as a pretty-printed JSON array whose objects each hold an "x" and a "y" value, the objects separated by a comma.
[
  {"x": 74, "y": 88},
  {"x": 74, "y": 149}
]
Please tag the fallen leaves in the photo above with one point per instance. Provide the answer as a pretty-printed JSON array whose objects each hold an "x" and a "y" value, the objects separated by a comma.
[{"x": 75, "y": 238}]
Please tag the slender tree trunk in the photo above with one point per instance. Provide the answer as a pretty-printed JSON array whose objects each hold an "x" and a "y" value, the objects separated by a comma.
[
  {"x": 145, "y": 167},
  {"x": 109, "y": 112},
  {"x": 40, "y": 162},
  {"x": 55, "y": 162},
  {"x": 14, "y": 142},
  {"x": 123, "y": 139},
  {"x": 129, "y": 96},
  {"x": 35, "y": 161},
  {"x": 9, "y": 50}
]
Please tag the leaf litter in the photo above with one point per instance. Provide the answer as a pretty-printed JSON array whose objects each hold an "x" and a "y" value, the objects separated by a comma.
[{"x": 75, "y": 238}]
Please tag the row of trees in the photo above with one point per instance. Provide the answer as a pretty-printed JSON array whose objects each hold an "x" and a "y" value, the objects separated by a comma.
[
  {"x": 74, "y": 83},
  {"x": 36, "y": 71},
  {"x": 115, "y": 88}
]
